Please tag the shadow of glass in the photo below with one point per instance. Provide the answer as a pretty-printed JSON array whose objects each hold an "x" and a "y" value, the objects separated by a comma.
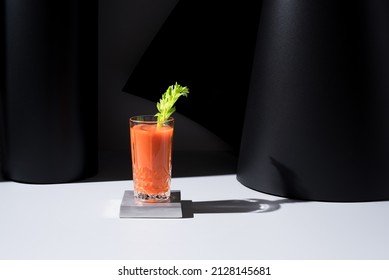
[{"x": 251, "y": 205}]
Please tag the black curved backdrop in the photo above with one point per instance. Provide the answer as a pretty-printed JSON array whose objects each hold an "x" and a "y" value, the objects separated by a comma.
[
  {"x": 49, "y": 90},
  {"x": 317, "y": 118}
]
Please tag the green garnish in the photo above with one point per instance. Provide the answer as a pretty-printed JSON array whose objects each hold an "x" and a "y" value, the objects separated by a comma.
[{"x": 165, "y": 105}]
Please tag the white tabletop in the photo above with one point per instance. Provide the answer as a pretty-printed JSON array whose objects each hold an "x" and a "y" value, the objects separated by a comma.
[{"x": 230, "y": 221}]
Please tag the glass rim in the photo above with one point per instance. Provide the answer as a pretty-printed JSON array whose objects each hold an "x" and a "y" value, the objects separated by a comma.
[{"x": 152, "y": 119}]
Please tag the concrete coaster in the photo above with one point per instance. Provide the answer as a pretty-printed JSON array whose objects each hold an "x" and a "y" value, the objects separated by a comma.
[{"x": 130, "y": 208}]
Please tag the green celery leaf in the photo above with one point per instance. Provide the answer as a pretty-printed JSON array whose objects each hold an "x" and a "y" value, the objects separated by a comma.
[{"x": 165, "y": 105}]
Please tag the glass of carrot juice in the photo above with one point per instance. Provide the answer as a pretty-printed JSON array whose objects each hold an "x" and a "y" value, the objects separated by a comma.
[{"x": 151, "y": 154}]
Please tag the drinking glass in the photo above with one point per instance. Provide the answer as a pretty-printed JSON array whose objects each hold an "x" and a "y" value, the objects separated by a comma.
[{"x": 151, "y": 155}]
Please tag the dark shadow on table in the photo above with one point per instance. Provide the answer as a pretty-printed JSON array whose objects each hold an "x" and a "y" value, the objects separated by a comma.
[{"x": 250, "y": 205}]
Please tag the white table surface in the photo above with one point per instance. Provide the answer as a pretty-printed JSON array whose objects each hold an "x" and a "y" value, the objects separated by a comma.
[{"x": 81, "y": 221}]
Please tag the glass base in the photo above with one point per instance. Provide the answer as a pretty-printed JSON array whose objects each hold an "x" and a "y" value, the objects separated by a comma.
[
  {"x": 161, "y": 197},
  {"x": 132, "y": 208}
]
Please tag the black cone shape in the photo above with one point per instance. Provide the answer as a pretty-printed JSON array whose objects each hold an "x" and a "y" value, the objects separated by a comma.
[
  {"x": 317, "y": 118},
  {"x": 49, "y": 92}
]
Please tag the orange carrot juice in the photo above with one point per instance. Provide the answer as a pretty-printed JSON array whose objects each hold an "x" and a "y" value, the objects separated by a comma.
[{"x": 151, "y": 150}]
